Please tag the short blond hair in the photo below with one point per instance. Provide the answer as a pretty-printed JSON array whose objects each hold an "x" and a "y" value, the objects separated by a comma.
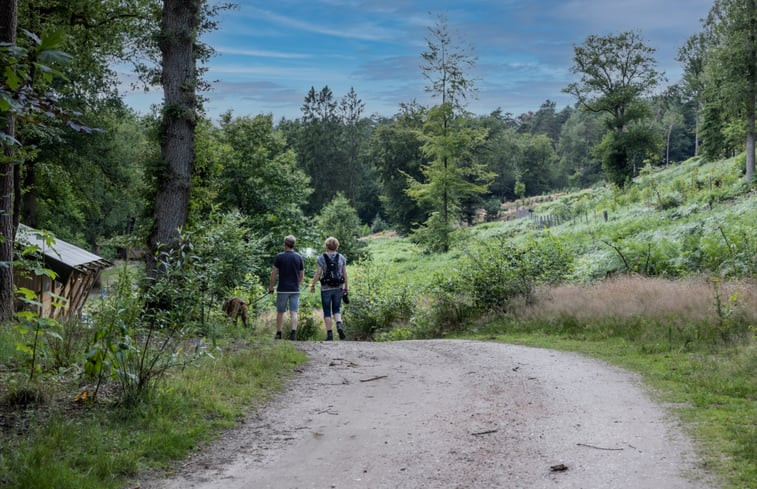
[
  {"x": 332, "y": 244},
  {"x": 289, "y": 241}
]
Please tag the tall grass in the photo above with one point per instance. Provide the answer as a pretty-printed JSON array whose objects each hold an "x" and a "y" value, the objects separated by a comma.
[{"x": 690, "y": 313}]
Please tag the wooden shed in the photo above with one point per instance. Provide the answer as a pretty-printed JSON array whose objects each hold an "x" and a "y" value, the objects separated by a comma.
[{"x": 77, "y": 271}]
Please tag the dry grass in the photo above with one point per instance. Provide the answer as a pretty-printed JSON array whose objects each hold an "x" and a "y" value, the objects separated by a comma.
[{"x": 688, "y": 300}]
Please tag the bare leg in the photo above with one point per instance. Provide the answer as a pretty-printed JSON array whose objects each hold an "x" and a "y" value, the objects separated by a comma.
[{"x": 279, "y": 321}]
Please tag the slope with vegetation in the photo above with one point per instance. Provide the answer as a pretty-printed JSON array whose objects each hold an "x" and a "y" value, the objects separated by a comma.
[{"x": 664, "y": 284}]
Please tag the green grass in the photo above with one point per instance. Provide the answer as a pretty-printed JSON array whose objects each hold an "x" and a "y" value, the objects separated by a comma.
[
  {"x": 103, "y": 447},
  {"x": 404, "y": 261}
]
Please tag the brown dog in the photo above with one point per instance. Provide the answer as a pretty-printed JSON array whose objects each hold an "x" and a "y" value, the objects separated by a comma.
[{"x": 235, "y": 308}]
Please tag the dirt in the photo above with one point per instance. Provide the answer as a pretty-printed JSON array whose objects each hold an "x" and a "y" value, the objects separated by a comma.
[{"x": 450, "y": 414}]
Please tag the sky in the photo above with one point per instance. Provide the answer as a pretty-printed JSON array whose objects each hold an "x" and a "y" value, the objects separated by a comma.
[{"x": 270, "y": 53}]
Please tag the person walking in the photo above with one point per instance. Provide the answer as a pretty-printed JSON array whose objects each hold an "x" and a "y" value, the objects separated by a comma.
[
  {"x": 289, "y": 269},
  {"x": 332, "y": 274}
]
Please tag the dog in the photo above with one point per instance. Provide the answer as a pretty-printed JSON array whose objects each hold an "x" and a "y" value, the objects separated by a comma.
[{"x": 236, "y": 308}]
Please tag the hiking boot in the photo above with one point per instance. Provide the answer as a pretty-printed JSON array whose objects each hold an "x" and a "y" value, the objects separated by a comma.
[
  {"x": 278, "y": 335},
  {"x": 329, "y": 335},
  {"x": 293, "y": 335},
  {"x": 341, "y": 333}
]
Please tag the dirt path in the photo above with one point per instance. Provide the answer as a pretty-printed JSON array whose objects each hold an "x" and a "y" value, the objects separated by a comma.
[{"x": 449, "y": 414}]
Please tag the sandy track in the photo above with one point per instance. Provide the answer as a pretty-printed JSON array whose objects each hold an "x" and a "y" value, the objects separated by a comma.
[{"x": 449, "y": 414}]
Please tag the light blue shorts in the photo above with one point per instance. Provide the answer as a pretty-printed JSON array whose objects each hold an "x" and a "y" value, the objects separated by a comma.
[{"x": 282, "y": 298}]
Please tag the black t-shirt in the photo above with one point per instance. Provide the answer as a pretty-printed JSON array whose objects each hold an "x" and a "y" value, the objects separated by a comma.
[{"x": 289, "y": 264}]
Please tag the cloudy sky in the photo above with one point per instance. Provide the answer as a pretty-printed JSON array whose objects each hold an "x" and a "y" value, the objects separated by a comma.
[{"x": 269, "y": 53}]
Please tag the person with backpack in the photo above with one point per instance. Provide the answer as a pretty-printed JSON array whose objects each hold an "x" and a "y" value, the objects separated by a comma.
[
  {"x": 332, "y": 274},
  {"x": 289, "y": 269}
]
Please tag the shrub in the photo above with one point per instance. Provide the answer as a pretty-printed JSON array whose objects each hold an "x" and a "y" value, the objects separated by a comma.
[
  {"x": 230, "y": 255},
  {"x": 376, "y": 305},
  {"x": 138, "y": 331}
]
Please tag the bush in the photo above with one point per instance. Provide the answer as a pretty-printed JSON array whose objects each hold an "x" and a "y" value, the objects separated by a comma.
[
  {"x": 138, "y": 331},
  {"x": 490, "y": 276},
  {"x": 376, "y": 305}
]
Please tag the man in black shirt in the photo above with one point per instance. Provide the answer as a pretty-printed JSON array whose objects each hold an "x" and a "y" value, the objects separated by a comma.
[{"x": 289, "y": 268}]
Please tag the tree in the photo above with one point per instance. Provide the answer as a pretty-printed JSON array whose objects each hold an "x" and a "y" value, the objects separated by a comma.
[
  {"x": 318, "y": 146},
  {"x": 179, "y": 30},
  {"x": 26, "y": 74},
  {"x": 451, "y": 176},
  {"x": 339, "y": 219},
  {"x": 96, "y": 33},
  {"x": 260, "y": 178},
  {"x": 731, "y": 66},
  {"x": 578, "y": 165},
  {"x": 395, "y": 151},
  {"x": 615, "y": 72},
  {"x": 8, "y": 19},
  {"x": 692, "y": 55},
  {"x": 445, "y": 65}
]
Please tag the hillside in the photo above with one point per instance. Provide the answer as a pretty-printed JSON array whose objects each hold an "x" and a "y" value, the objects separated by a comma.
[{"x": 691, "y": 218}]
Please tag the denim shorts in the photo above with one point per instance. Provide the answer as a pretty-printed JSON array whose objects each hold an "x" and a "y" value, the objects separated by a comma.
[
  {"x": 282, "y": 298},
  {"x": 331, "y": 300}
]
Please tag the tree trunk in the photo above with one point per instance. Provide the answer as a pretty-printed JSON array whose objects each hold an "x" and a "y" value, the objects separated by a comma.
[
  {"x": 8, "y": 20},
  {"x": 28, "y": 199},
  {"x": 752, "y": 81},
  {"x": 179, "y": 27},
  {"x": 667, "y": 146}
]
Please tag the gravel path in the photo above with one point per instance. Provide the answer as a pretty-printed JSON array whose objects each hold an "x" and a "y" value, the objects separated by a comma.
[{"x": 450, "y": 414}]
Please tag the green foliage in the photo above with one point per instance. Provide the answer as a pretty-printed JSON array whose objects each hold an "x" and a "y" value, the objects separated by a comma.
[
  {"x": 730, "y": 77},
  {"x": 260, "y": 179},
  {"x": 494, "y": 273},
  {"x": 40, "y": 328},
  {"x": 195, "y": 405},
  {"x": 340, "y": 220},
  {"x": 138, "y": 331},
  {"x": 615, "y": 71},
  {"x": 377, "y": 304},
  {"x": 451, "y": 176},
  {"x": 395, "y": 150},
  {"x": 230, "y": 253},
  {"x": 307, "y": 328}
]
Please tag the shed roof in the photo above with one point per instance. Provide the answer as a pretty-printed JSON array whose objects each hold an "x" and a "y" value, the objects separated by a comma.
[{"x": 65, "y": 253}]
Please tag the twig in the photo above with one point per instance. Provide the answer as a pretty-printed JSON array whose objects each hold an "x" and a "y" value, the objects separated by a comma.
[
  {"x": 373, "y": 378},
  {"x": 598, "y": 448},
  {"x": 484, "y": 432}
]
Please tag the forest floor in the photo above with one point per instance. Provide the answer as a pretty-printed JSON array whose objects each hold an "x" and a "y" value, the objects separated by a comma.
[{"x": 450, "y": 414}]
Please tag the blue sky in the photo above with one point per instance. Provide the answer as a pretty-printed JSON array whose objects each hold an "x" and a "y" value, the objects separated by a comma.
[{"x": 269, "y": 53}]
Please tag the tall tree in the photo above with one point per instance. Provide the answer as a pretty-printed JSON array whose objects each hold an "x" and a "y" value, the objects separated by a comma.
[
  {"x": 450, "y": 176},
  {"x": 692, "y": 56},
  {"x": 260, "y": 178},
  {"x": 579, "y": 167},
  {"x": 8, "y": 19},
  {"x": 26, "y": 73},
  {"x": 318, "y": 146},
  {"x": 180, "y": 23},
  {"x": 445, "y": 67},
  {"x": 731, "y": 65},
  {"x": 96, "y": 33},
  {"x": 395, "y": 150},
  {"x": 615, "y": 72}
]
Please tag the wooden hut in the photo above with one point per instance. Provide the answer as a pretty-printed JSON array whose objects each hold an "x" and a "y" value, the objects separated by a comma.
[{"x": 77, "y": 271}]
